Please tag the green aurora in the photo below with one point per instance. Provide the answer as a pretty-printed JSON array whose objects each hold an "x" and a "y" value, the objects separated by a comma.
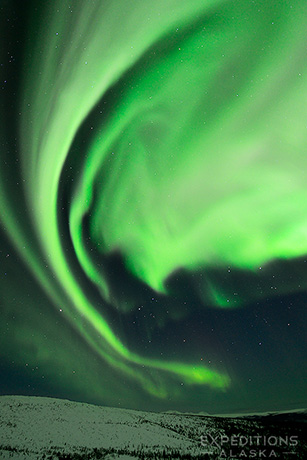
[{"x": 194, "y": 119}]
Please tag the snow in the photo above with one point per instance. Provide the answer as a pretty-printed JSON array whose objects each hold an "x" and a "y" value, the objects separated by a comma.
[
  {"x": 42, "y": 424},
  {"x": 36, "y": 428}
]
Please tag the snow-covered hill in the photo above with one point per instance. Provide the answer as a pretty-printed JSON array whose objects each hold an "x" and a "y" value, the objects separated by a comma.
[{"x": 44, "y": 428}]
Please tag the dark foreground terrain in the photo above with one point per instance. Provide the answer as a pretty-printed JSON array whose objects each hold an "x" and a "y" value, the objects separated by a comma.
[{"x": 44, "y": 428}]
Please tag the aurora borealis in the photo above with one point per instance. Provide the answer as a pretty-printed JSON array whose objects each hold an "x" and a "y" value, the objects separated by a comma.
[{"x": 153, "y": 202}]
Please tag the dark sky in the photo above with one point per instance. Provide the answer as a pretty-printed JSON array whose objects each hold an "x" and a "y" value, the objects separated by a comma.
[{"x": 153, "y": 203}]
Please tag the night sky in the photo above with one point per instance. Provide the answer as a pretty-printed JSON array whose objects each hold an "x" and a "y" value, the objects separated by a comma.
[{"x": 153, "y": 203}]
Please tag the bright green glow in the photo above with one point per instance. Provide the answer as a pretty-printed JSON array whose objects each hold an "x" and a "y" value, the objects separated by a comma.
[
  {"x": 200, "y": 163},
  {"x": 101, "y": 59},
  {"x": 208, "y": 161}
]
